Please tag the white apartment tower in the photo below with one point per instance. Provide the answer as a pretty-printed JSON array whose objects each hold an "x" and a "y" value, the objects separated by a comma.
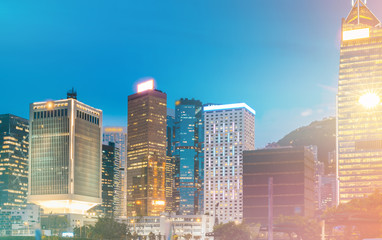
[{"x": 229, "y": 130}]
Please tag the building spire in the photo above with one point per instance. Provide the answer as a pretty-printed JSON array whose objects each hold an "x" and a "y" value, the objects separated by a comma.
[{"x": 361, "y": 14}]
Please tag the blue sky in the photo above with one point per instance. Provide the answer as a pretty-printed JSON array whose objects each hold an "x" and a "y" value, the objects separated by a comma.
[{"x": 280, "y": 57}]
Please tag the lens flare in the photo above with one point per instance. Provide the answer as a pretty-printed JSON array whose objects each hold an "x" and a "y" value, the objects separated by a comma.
[{"x": 369, "y": 100}]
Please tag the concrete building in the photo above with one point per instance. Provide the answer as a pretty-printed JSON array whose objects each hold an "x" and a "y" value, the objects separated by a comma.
[
  {"x": 229, "y": 130},
  {"x": 14, "y": 148},
  {"x": 176, "y": 225},
  {"x": 146, "y": 151},
  {"x": 292, "y": 170},
  {"x": 19, "y": 222},
  {"x": 359, "y": 112},
  {"x": 118, "y": 135},
  {"x": 65, "y": 156}
]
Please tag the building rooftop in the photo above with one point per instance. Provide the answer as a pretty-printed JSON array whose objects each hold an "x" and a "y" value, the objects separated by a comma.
[{"x": 228, "y": 106}]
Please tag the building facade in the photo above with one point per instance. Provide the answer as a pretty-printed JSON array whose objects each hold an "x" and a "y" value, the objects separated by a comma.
[
  {"x": 292, "y": 170},
  {"x": 19, "y": 222},
  {"x": 65, "y": 156},
  {"x": 359, "y": 113},
  {"x": 14, "y": 148},
  {"x": 146, "y": 152},
  {"x": 118, "y": 135},
  {"x": 189, "y": 157},
  {"x": 110, "y": 206},
  {"x": 195, "y": 226},
  {"x": 229, "y": 130}
]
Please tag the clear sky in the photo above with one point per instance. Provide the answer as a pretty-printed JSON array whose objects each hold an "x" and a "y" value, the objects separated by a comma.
[{"x": 280, "y": 57}]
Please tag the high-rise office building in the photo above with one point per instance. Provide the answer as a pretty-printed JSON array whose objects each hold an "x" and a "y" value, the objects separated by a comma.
[
  {"x": 65, "y": 156},
  {"x": 359, "y": 112},
  {"x": 14, "y": 147},
  {"x": 110, "y": 206},
  {"x": 189, "y": 138},
  {"x": 229, "y": 130},
  {"x": 118, "y": 135},
  {"x": 292, "y": 170},
  {"x": 146, "y": 151},
  {"x": 170, "y": 163}
]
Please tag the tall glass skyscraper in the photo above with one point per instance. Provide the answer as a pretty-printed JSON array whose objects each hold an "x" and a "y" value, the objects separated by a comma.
[
  {"x": 65, "y": 156},
  {"x": 359, "y": 112},
  {"x": 118, "y": 135},
  {"x": 146, "y": 151},
  {"x": 110, "y": 206},
  {"x": 14, "y": 146},
  {"x": 229, "y": 130},
  {"x": 189, "y": 157}
]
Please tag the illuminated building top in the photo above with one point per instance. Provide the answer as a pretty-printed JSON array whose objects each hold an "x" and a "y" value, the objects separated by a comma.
[
  {"x": 148, "y": 85},
  {"x": 229, "y": 106},
  {"x": 361, "y": 14}
]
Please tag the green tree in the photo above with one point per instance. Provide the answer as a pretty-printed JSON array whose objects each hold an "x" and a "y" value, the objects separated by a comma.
[
  {"x": 306, "y": 228},
  {"x": 232, "y": 231},
  {"x": 361, "y": 216},
  {"x": 83, "y": 231},
  {"x": 108, "y": 228},
  {"x": 151, "y": 236},
  {"x": 187, "y": 236}
]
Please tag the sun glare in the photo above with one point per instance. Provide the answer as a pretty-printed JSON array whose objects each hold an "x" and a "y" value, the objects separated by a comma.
[{"x": 369, "y": 100}]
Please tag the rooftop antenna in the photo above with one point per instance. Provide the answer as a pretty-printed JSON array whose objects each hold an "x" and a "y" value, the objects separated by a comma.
[{"x": 72, "y": 94}]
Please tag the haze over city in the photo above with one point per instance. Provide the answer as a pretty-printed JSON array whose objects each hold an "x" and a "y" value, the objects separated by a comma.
[{"x": 280, "y": 57}]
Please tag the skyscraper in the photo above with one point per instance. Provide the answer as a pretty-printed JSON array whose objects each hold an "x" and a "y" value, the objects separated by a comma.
[
  {"x": 189, "y": 156},
  {"x": 292, "y": 170},
  {"x": 170, "y": 163},
  {"x": 110, "y": 206},
  {"x": 14, "y": 146},
  {"x": 146, "y": 151},
  {"x": 359, "y": 113},
  {"x": 65, "y": 156},
  {"x": 118, "y": 135},
  {"x": 229, "y": 130}
]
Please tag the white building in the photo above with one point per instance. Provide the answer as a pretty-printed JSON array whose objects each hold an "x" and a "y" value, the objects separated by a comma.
[
  {"x": 229, "y": 130},
  {"x": 65, "y": 156},
  {"x": 20, "y": 222},
  {"x": 179, "y": 225},
  {"x": 118, "y": 135}
]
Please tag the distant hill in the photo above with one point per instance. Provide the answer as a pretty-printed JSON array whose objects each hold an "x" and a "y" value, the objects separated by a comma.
[{"x": 321, "y": 133}]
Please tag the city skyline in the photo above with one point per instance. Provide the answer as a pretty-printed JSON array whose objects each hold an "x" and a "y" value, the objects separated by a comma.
[{"x": 229, "y": 44}]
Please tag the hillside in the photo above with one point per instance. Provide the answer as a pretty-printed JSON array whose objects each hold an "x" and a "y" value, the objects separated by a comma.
[{"x": 321, "y": 133}]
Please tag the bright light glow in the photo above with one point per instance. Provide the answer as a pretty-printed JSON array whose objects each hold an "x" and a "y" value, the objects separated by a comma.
[
  {"x": 148, "y": 85},
  {"x": 369, "y": 100},
  {"x": 70, "y": 205},
  {"x": 49, "y": 105},
  {"x": 229, "y": 106},
  {"x": 112, "y": 129},
  {"x": 159, "y": 202},
  {"x": 356, "y": 34}
]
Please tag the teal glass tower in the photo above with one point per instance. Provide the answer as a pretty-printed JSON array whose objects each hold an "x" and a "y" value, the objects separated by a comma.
[
  {"x": 189, "y": 157},
  {"x": 14, "y": 144}
]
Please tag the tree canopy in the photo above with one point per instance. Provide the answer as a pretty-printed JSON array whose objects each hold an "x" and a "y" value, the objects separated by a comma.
[
  {"x": 105, "y": 228},
  {"x": 233, "y": 231},
  {"x": 360, "y": 217}
]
